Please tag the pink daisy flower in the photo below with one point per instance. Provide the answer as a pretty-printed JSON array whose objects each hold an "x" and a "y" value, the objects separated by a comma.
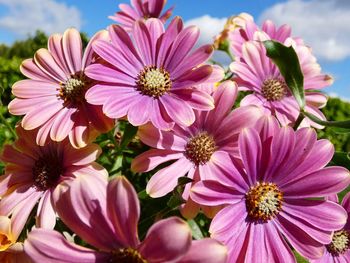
[
  {"x": 339, "y": 249},
  {"x": 106, "y": 215},
  {"x": 141, "y": 9},
  {"x": 257, "y": 73},
  {"x": 53, "y": 98},
  {"x": 201, "y": 149},
  {"x": 34, "y": 173},
  {"x": 275, "y": 195},
  {"x": 149, "y": 77}
]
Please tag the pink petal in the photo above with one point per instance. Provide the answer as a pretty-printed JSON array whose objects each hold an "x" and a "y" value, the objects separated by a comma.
[
  {"x": 32, "y": 71},
  {"x": 46, "y": 215},
  {"x": 161, "y": 139},
  {"x": 193, "y": 77},
  {"x": 139, "y": 115},
  {"x": 150, "y": 159},
  {"x": 206, "y": 250},
  {"x": 44, "y": 245},
  {"x": 48, "y": 65},
  {"x": 156, "y": 246},
  {"x": 81, "y": 156},
  {"x": 34, "y": 88},
  {"x": 117, "y": 106},
  {"x": 56, "y": 50},
  {"x": 123, "y": 210},
  {"x": 63, "y": 124},
  {"x": 143, "y": 42},
  {"x": 106, "y": 73},
  {"x": 81, "y": 134},
  {"x": 197, "y": 99},
  {"x": 23, "y": 106},
  {"x": 99, "y": 94},
  {"x": 72, "y": 48},
  {"x": 179, "y": 110},
  {"x": 89, "y": 52},
  {"x": 165, "y": 180}
]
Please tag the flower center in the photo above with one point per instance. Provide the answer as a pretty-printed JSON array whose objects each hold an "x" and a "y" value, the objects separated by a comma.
[
  {"x": 274, "y": 89},
  {"x": 73, "y": 90},
  {"x": 264, "y": 201},
  {"x": 5, "y": 242},
  {"x": 153, "y": 81},
  {"x": 340, "y": 242},
  {"x": 127, "y": 255},
  {"x": 46, "y": 172},
  {"x": 200, "y": 148}
]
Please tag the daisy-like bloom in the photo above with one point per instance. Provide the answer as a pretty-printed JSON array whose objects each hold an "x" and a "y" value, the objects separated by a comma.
[
  {"x": 201, "y": 149},
  {"x": 52, "y": 99},
  {"x": 257, "y": 73},
  {"x": 149, "y": 77},
  {"x": 338, "y": 250},
  {"x": 141, "y": 9},
  {"x": 33, "y": 173},
  {"x": 106, "y": 215},
  {"x": 276, "y": 195},
  {"x": 12, "y": 251}
]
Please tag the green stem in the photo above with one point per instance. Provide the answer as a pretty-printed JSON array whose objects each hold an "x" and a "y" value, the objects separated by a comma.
[
  {"x": 4, "y": 121},
  {"x": 298, "y": 121}
]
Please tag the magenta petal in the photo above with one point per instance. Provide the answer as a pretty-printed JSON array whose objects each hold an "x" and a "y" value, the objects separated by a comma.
[
  {"x": 139, "y": 113},
  {"x": 89, "y": 52},
  {"x": 63, "y": 124},
  {"x": 179, "y": 110},
  {"x": 46, "y": 215},
  {"x": 43, "y": 245},
  {"x": 72, "y": 49},
  {"x": 197, "y": 99},
  {"x": 32, "y": 71},
  {"x": 150, "y": 159},
  {"x": 83, "y": 209},
  {"x": 123, "y": 210},
  {"x": 212, "y": 193},
  {"x": 156, "y": 246},
  {"x": 81, "y": 156},
  {"x": 143, "y": 42},
  {"x": 324, "y": 182},
  {"x": 161, "y": 139},
  {"x": 159, "y": 117},
  {"x": 193, "y": 77},
  {"x": 206, "y": 250},
  {"x": 29, "y": 88},
  {"x": 48, "y": 65},
  {"x": 165, "y": 180},
  {"x": 301, "y": 241}
]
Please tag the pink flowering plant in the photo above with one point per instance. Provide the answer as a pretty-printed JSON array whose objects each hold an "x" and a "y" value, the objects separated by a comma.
[{"x": 136, "y": 146}]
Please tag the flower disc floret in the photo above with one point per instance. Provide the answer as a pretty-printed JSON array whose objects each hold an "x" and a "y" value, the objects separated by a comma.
[
  {"x": 264, "y": 201},
  {"x": 200, "y": 148},
  {"x": 46, "y": 172},
  {"x": 153, "y": 81},
  {"x": 127, "y": 255},
  {"x": 274, "y": 89},
  {"x": 340, "y": 242},
  {"x": 73, "y": 90}
]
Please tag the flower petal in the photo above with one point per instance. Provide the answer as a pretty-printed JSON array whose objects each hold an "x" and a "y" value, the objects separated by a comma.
[{"x": 72, "y": 49}]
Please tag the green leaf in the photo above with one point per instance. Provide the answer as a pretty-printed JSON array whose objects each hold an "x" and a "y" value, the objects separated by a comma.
[
  {"x": 344, "y": 126},
  {"x": 142, "y": 194},
  {"x": 287, "y": 62},
  {"x": 341, "y": 159},
  {"x": 196, "y": 230},
  {"x": 129, "y": 134}
]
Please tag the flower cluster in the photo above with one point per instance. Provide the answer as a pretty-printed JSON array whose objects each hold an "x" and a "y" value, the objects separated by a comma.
[{"x": 252, "y": 165}]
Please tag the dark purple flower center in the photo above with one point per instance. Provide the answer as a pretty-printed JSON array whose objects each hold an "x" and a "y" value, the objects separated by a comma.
[
  {"x": 274, "y": 89},
  {"x": 46, "y": 172},
  {"x": 264, "y": 201},
  {"x": 73, "y": 90},
  {"x": 340, "y": 242},
  {"x": 127, "y": 255},
  {"x": 153, "y": 81},
  {"x": 200, "y": 148}
]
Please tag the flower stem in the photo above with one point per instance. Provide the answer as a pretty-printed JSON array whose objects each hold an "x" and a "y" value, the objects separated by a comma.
[
  {"x": 298, "y": 121},
  {"x": 4, "y": 121}
]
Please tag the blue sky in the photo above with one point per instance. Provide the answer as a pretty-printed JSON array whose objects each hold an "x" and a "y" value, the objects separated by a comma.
[{"x": 324, "y": 24}]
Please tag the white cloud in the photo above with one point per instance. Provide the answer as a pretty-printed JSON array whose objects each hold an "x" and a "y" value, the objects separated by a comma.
[
  {"x": 324, "y": 24},
  {"x": 209, "y": 28},
  {"x": 336, "y": 95},
  {"x": 24, "y": 17}
]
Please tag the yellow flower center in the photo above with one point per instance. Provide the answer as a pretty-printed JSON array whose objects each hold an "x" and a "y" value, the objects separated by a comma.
[
  {"x": 5, "y": 242},
  {"x": 264, "y": 201},
  {"x": 73, "y": 90},
  {"x": 153, "y": 81},
  {"x": 274, "y": 89},
  {"x": 340, "y": 242},
  {"x": 200, "y": 148},
  {"x": 127, "y": 255}
]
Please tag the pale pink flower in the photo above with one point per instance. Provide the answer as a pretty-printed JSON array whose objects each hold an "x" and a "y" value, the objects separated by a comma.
[
  {"x": 257, "y": 73},
  {"x": 35, "y": 173},
  {"x": 200, "y": 150},
  {"x": 150, "y": 75},
  {"x": 338, "y": 250},
  {"x": 52, "y": 99},
  {"x": 275, "y": 195},
  {"x": 140, "y": 9},
  {"x": 106, "y": 215}
]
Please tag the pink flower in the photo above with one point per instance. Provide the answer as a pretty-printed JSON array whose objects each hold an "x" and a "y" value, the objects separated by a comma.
[
  {"x": 106, "y": 215},
  {"x": 200, "y": 150},
  {"x": 140, "y": 9},
  {"x": 339, "y": 249},
  {"x": 53, "y": 98},
  {"x": 257, "y": 73},
  {"x": 149, "y": 77},
  {"x": 35, "y": 173},
  {"x": 275, "y": 195}
]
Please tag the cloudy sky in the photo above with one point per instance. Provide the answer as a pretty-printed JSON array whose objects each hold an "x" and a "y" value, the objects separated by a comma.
[{"x": 324, "y": 24}]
